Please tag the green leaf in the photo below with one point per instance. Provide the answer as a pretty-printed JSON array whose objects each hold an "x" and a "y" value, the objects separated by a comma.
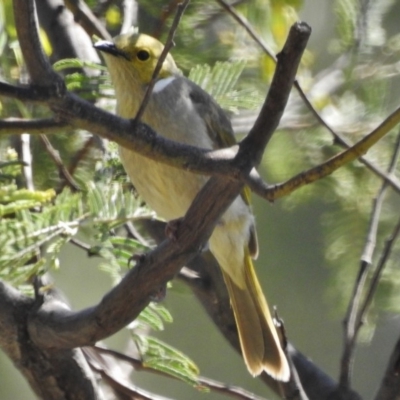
[
  {"x": 69, "y": 63},
  {"x": 221, "y": 81},
  {"x": 154, "y": 316},
  {"x": 162, "y": 357}
]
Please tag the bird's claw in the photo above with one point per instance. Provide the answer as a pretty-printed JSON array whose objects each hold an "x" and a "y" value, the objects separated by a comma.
[
  {"x": 172, "y": 228},
  {"x": 136, "y": 259}
]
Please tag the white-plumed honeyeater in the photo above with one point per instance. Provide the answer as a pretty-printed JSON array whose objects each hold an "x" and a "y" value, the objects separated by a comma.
[{"x": 180, "y": 110}]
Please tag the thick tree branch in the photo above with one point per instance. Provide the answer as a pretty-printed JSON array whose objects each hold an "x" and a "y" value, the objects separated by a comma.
[
  {"x": 68, "y": 39},
  {"x": 37, "y": 63},
  {"x": 36, "y": 126},
  {"x": 37, "y": 94},
  {"x": 282, "y": 82},
  {"x": 48, "y": 373},
  {"x": 390, "y": 386}
]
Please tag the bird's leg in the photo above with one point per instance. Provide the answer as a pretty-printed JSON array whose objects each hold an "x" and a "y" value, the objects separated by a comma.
[
  {"x": 137, "y": 259},
  {"x": 159, "y": 294},
  {"x": 172, "y": 228}
]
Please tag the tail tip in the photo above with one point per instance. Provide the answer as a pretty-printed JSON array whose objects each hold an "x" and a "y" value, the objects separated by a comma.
[{"x": 281, "y": 373}]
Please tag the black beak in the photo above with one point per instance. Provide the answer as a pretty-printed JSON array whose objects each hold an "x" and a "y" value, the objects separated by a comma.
[{"x": 110, "y": 48}]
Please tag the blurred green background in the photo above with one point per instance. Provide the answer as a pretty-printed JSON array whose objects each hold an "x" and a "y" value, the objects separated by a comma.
[{"x": 292, "y": 268}]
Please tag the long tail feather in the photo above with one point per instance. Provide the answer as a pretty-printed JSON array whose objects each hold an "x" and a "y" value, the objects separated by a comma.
[{"x": 258, "y": 337}]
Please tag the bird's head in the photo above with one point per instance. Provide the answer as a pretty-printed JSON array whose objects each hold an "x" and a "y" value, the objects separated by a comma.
[{"x": 136, "y": 54}]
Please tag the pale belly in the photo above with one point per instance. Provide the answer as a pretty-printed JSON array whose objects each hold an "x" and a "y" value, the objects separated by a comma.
[
  {"x": 167, "y": 190},
  {"x": 170, "y": 191}
]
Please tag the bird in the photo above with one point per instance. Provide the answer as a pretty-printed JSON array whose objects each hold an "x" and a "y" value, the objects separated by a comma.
[{"x": 181, "y": 111}]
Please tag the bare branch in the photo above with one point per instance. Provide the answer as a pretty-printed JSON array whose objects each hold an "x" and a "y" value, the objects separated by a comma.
[
  {"x": 215, "y": 386},
  {"x": 55, "y": 156},
  {"x": 341, "y": 140},
  {"x": 316, "y": 383},
  {"x": 274, "y": 192},
  {"x": 249, "y": 29},
  {"x": 390, "y": 385},
  {"x": 68, "y": 39},
  {"x": 131, "y": 9},
  {"x": 25, "y": 93},
  {"x": 94, "y": 142},
  {"x": 180, "y": 9},
  {"x": 84, "y": 16},
  {"x": 51, "y": 374},
  {"x": 282, "y": 81},
  {"x": 37, "y": 63},
  {"x": 36, "y": 126},
  {"x": 357, "y": 308}
]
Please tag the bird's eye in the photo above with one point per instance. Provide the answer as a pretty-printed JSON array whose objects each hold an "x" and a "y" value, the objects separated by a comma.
[{"x": 143, "y": 55}]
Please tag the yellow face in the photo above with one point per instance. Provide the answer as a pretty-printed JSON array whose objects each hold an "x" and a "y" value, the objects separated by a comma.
[{"x": 143, "y": 52}]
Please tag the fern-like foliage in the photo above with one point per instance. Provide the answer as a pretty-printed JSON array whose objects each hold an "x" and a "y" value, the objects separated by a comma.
[
  {"x": 39, "y": 234},
  {"x": 221, "y": 82}
]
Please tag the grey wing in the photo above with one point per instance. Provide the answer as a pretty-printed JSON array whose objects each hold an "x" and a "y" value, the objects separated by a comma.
[{"x": 218, "y": 124}]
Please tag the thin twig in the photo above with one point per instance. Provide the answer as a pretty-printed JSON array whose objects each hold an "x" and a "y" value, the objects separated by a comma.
[
  {"x": 26, "y": 155},
  {"x": 378, "y": 272},
  {"x": 214, "y": 15},
  {"x": 134, "y": 233},
  {"x": 85, "y": 17},
  {"x": 181, "y": 7},
  {"x": 248, "y": 28},
  {"x": 342, "y": 141},
  {"x": 216, "y": 386},
  {"x": 81, "y": 245},
  {"x": 117, "y": 385},
  {"x": 55, "y": 156},
  {"x": 274, "y": 192},
  {"x": 357, "y": 308},
  {"x": 166, "y": 12},
  {"x": 131, "y": 9},
  {"x": 82, "y": 153},
  {"x": 377, "y": 207}
]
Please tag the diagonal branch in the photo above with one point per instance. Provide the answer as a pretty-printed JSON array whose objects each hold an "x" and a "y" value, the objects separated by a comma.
[
  {"x": 37, "y": 126},
  {"x": 273, "y": 192},
  {"x": 180, "y": 9},
  {"x": 390, "y": 384},
  {"x": 84, "y": 15},
  {"x": 357, "y": 307},
  {"x": 215, "y": 386},
  {"x": 55, "y": 156},
  {"x": 36, "y": 61}
]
